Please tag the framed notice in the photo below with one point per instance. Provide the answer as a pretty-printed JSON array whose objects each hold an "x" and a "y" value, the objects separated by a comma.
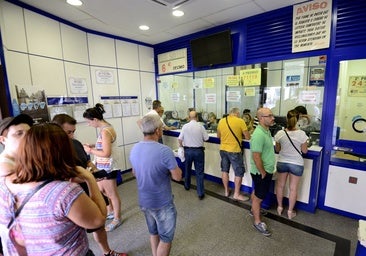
[
  {"x": 357, "y": 86},
  {"x": 311, "y": 25}
]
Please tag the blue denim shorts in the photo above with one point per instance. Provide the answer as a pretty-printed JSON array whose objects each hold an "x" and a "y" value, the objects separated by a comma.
[
  {"x": 161, "y": 221},
  {"x": 294, "y": 169},
  {"x": 235, "y": 159}
]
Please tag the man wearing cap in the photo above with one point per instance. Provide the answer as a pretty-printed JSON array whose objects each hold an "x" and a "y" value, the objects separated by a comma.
[{"x": 12, "y": 131}]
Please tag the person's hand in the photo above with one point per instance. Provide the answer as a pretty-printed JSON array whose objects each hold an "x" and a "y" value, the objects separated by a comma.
[
  {"x": 83, "y": 175},
  {"x": 87, "y": 148},
  {"x": 263, "y": 174}
]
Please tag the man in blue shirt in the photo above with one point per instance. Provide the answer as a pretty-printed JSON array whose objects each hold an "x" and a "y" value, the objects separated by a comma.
[{"x": 154, "y": 165}]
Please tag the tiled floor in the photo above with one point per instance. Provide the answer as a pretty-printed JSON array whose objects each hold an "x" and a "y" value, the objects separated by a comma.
[{"x": 221, "y": 226}]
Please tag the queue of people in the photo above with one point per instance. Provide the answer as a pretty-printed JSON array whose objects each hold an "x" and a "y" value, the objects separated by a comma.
[{"x": 62, "y": 162}]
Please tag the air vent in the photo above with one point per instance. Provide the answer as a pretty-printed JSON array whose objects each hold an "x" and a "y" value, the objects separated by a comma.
[{"x": 171, "y": 3}]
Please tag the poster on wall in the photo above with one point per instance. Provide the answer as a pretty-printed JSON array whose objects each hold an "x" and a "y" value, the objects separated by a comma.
[
  {"x": 232, "y": 80},
  {"x": 72, "y": 106},
  {"x": 233, "y": 96},
  {"x": 122, "y": 106},
  {"x": 174, "y": 61},
  {"x": 310, "y": 97},
  {"x": 32, "y": 102},
  {"x": 294, "y": 73},
  {"x": 311, "y": 23},
  {"x": 78, "y": 85},
  {"x": 357, "y": 86},
  {"x": 208, "y": 82},
  {"x": 210, "y": 98},
  {"x": 104, "y": 77},
  {"x": 250, "y": 77},
  {"x": 317, "y": 75}
]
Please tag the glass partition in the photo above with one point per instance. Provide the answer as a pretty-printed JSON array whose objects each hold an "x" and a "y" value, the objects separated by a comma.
[
  {"x": 350, "y": 123},
  {"x": 278, "y": 85}
]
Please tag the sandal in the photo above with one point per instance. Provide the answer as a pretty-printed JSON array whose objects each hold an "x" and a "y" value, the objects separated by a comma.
[
  {"x": 279, "y": 210},
  {"x": 291, "y": 214},
  {"x": 114, "y": 253},
  {"x": 113, "y": 225},
  {"x": 110, "y": 216}
]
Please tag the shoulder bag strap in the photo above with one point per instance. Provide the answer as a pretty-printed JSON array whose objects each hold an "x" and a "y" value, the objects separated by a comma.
[
  {"x": 233, "y": 133},
  {"x": 17, "y": 212},
  {"x": 292, "y": 143}
]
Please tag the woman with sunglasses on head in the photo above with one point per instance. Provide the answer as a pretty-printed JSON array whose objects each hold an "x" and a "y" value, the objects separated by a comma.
[{"x": 44, "y": 210}]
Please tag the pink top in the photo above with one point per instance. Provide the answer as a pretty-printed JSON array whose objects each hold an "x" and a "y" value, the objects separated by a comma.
[{"x": 43, "y": 220}]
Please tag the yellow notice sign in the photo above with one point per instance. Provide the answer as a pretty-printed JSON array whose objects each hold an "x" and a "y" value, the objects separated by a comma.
[
  {"x": 208, "y": 82},
  {"x": 250, "y": 77},
  {"x": 232, "y": 80}
]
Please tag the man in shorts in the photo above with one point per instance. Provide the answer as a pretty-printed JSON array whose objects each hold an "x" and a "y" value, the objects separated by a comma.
[
  {"x": 231, "y": 152},
  {"x": 154, "y": 166},
  {"x": 262, "y": 163}
]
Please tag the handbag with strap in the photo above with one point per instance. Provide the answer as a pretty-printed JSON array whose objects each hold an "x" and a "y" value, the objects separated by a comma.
[
  {"x": 241, "y": 145},
  {"x": 293, "y": 143}
]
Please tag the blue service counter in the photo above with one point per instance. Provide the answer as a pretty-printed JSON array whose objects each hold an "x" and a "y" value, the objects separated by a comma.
[{"x": 309, "y": 183}]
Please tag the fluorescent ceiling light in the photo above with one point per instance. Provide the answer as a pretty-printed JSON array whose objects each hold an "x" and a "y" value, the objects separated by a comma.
[
  {"x": 144, "y": 27},
  {"x": 178, "y": 13},
  {"x": 74, "y": 2}
]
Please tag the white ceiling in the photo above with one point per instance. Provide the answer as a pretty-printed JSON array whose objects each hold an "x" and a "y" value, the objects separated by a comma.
[{"x": 123, "y": 17}]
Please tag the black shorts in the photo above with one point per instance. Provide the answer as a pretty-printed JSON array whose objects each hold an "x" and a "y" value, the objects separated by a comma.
[
  {"x": 102, "y": 174},
  {"x": 261, "y": 186}
]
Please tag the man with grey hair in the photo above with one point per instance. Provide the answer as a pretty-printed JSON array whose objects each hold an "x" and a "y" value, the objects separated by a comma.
[
  {"x": 231, "y": 131},
  {"x": 154, "y": 165}
]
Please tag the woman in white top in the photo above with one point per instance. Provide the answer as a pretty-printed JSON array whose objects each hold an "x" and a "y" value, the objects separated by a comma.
[
  {"x": 103, "y": 160},
  {"x": 291, "y": 143}
]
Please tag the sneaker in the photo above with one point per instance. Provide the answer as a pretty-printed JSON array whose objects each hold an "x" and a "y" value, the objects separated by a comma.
[
  {"x": 113, "y": 253},
  {"x": 262, "y": 227},
  {"x": 113, "y": 225},
  {"x": 263, "y": 212}
]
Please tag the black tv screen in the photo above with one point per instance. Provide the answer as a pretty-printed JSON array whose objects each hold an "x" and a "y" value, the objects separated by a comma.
[{"x": 212, "y": 50}]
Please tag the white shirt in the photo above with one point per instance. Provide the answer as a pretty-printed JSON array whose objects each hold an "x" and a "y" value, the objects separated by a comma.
[
  {"x": 154, "y": 112},
  {"x": 288, "y": 153},
  {"x": 193, "y": 134}
]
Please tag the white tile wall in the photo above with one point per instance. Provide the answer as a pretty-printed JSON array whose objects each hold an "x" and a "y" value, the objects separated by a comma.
[
  {"x": 43, "y": 35},
  {"x": 74, "y": 44},
  {"x": 44, "y": 54}
]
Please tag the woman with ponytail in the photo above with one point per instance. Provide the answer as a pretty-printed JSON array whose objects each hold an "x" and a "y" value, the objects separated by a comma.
[
  {"x": 291, "y": 143},
  {"x": 103, "y": 160}
]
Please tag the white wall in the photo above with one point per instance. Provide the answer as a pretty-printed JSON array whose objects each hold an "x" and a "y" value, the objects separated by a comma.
[{"x": 44, "y": 53}]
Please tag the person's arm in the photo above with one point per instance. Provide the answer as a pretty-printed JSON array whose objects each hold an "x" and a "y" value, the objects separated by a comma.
[
  {"x": 277, "y": 147},
  {"x": 258, "y": 163},
  {"x": 91, "y": 166},
  {"x": 304, "y": 147},
  {"x": 88, "y": 211},
  {"x": 246, "y": 135},
  {"x": 176, "y": 173},
  {"x": 180, "y": 142},
  {"x": 106, "y": 145}
]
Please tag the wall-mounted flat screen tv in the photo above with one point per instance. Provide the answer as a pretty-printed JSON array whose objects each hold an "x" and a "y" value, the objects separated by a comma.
[{"x": 212, "y": 50}]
